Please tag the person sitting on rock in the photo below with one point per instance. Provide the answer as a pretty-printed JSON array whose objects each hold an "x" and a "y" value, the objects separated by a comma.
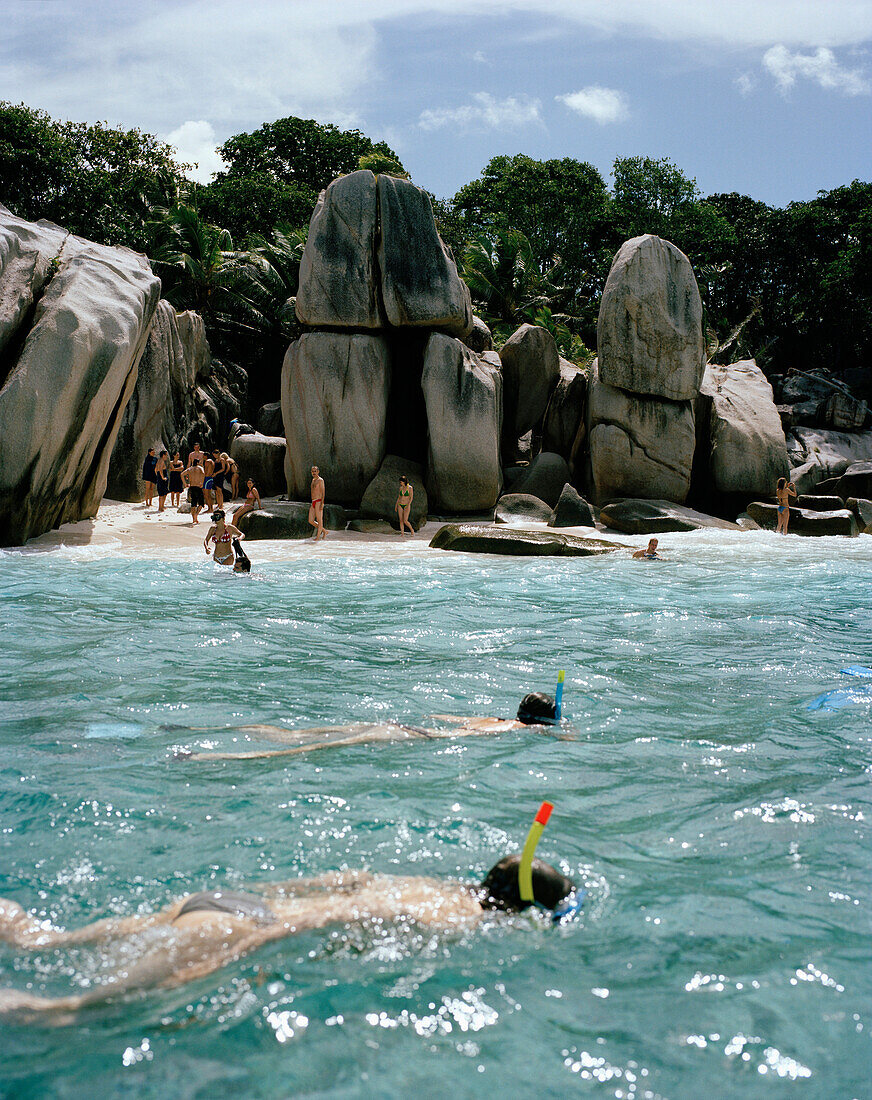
[
  {"x": 252, "y": 503},
  {"x": 784, "y": 490},
  {"x": 650, "y": 552},
  {"x": 200, "y": 933}
]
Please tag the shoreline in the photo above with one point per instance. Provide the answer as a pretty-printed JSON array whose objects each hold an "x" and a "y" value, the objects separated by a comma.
[{"x": 130, "y": 530}]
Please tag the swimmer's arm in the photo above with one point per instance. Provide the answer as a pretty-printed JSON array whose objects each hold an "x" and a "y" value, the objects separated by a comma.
[{"x": 639, "y": 554}]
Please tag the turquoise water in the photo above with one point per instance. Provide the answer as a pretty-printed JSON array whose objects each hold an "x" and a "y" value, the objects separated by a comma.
[{"x": 719, "y": 824}]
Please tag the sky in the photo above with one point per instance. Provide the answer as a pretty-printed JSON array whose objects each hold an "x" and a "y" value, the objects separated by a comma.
[{"x": 771, "y": 98}]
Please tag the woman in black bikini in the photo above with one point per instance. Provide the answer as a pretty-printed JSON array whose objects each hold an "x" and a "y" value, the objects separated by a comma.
[
  {"x": 222, "y": 534},
  {"x": 403, "y": 507},
  {"x": 162, "y": 473}
]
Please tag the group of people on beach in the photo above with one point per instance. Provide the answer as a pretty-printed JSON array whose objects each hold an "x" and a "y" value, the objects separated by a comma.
[{"x": 212, "y": 474}]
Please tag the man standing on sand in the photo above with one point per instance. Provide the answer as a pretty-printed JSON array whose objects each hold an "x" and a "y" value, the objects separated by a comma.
[
  {"x": 196, "y": 453},
  {"x": 316, "y": 512},
  {"x": 193, "y": 478}
]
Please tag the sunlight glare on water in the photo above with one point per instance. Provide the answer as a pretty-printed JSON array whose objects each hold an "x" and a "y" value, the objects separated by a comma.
[{"x": 712, "y": 794}]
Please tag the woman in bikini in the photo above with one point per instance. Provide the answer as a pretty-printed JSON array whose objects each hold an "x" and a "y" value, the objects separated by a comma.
[
  {"x": 783, "y": 492},
  {"x": 403, "y": 507},
  {"x": 222, "y": 534},
  {"x": 252, "y": 502}
]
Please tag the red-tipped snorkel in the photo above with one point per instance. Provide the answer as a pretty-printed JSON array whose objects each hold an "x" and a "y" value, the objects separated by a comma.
[{"x": 571, "y": 905}]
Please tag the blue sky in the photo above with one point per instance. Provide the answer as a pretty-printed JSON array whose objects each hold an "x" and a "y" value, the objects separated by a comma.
[{"x": 772, "y": 98}]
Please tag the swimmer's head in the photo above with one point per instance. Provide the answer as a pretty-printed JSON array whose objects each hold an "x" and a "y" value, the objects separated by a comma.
[
  {"x": 242, "y": 565},
  {"x": 537, "y": 707},
  {"x": 500, "y": 889},
  {"x": 217, "y": 515}
]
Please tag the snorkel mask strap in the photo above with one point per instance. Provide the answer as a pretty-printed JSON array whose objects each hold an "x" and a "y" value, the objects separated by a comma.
[
  {"x": 558, "y": 703},
  {"x": 525, "y": 867}
]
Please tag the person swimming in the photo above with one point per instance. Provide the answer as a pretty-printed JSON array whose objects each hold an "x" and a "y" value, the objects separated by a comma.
[
  {"x": 650, "y": 552},
  {"x": 202, "y": 932},
  {"x": 536, "y": 709}
]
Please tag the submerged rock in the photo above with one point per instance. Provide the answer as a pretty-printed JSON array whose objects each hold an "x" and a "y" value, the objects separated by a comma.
[
  {"x": 380, "y": 499},
  {"x": 74, "y": 319},
  {"x": 473, "y": 539},
  {"x": 519, "y": 508},
  {"x": 650, "y": 517},
  {"x": 334, "y": 405},
  {"x": 803, "y": 521},
  {"x": 649, "y": 332},
  {"x": 572, "y": 510},
  {"x": 280, "y": 519}
]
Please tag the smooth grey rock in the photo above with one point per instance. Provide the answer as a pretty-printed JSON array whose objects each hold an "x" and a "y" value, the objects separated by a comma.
[
  {"x": 565, "y": 411},
  {"x": 338, "y": 281},
  {"x": 463, "y": 398},
  {"x": 371, "y": 527},
  {"x": 650, "y": 517},
  {"x": 844, "y": 413},
  {"x": 639, "y": 446},
  {"x": 818, "y": 503},
  {"x": 798, "y": 388},
  {"x": 380, "y": 499},
  {"x": 544, "y": 478},
  {"x": 261, "y": 458},
  {"x": 649, "y": 333},
  {"x": 803, "y": 521},
  {"x": 334, "y": 404},
  {"x": 289, "y": 519},
  {"x": 572, "y": 510},
  {"x": 269, "y": 419},
  {"x": 531, "y": 370},
  {"x": 747, "y": 451},
  {"x": 745, "y": 522},
  {"x": 862, "y": 509},
  {"x": 474, "y": 539},
  {"x": 520, "y": 508},
  {"x": 479, "y": 338},
  {"x": 817, "y": 454},
  {"x": 419, "y": 280},
  {"x": 66, "y": 380},
  {"x": 195, "y": 346},
  {"x": 511, "y": 476},
  {"x": 856, "y": 481}
]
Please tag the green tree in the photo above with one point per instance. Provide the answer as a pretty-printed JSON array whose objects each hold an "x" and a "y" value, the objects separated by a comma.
[
  {"x": 381, "y": 164},
  {"x": 196, "y": 261},
  {"x": 94, "y": 180}
]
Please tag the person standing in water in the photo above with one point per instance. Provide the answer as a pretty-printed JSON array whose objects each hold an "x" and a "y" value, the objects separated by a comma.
[
  {"x": 194, "y": 477},
  {"x": 176, "y": 469},
  {"x": 222, "y": 534},
  {"x": 316, "y": 512},
  {"x": 403, "y": 507},
  {"x": 784, "y": 490},
  {"x": 149, "y": 476},
  {"x": 649, "y": 552},
  {"x": 200, "y": 933}
]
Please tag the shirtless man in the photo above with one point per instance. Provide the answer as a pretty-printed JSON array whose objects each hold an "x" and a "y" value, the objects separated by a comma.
[
  {"x": 201, "y": 933},
  {"x": 784, "y": 490},
  {"x": 537, "y": 710},
  {"x": 196, "y": 453},
  {"x": 649, "y": 552},
  {"x": 193, "y": 479},
  {"x": 316, "y": 512}
]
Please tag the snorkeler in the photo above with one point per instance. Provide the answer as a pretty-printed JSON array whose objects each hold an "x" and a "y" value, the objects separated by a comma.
[
  {"x": 536, "y": 710},
  {"x": 242, "y": 563},
  {"x": 200, "y": 933}
]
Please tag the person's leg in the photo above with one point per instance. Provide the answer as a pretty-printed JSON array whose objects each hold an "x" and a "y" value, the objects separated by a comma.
[
  {"x": 319, "y": 512},
  {"x": 219, "y": 496},
  {"x": 161, "y": 502},
  {"x": 195, "y": 511},
  {"x": 786, "y": 520},
  {"x": 313, "y": 521}
]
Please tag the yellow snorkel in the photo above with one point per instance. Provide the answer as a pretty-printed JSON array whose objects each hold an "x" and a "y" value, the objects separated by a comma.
[{"x": 525, "y": 867}]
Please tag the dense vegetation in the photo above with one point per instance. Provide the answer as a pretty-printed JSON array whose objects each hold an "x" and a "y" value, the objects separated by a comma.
[{"x": 534, "y": 239}]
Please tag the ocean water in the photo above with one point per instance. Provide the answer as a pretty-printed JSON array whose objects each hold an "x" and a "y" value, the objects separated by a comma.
[{"x": 711, "y": 792}]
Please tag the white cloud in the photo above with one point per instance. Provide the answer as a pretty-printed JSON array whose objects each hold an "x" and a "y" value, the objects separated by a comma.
[
  {"x": 746, "y": 83},
  {"x": 195, "y": 143},
  {"x": 821, "y": 67},
  {"x": 485, "y": 110},
  {"x": 603, "y": 105}
]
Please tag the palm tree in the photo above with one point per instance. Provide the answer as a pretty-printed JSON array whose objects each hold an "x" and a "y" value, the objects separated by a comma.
[
  {"x": 264, "y": 283},
  {"x": 195, "y": 259}
]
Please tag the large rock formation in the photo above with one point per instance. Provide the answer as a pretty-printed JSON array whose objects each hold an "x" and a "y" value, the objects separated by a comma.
[
  {"x": 741, "y": 446},
  {"x": 804, "y": 521},
  {"x": 380, "y": 499},
  {"x": 463, "y": 398},
  {"x": 74, "y": 318},
  {"x": 334, "y": 404},
  {"x": 649, "y": 517},
  {"x": 338, "y": 281},
  {"x": 475, "y": 539},
  {"x": 419, "y": 281},
  {"x": 816, "y": 455},
  {"x": 531, "y": 370},
  {"x": 543, "y": 478},
  {"x": 639, "y": 446},
  {"x": 649, "y": 333},
  {"x": 181, "y": 396},
  {"x": 521, "y": 508},
  {"x": 261, "y": 458},
  {"x": 565, "y": 411}
]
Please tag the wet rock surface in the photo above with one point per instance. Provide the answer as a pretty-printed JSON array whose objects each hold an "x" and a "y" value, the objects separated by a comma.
[
  {"x": 650, "y": 517},
  {"x": 519, "y": 508},
  {"x": 803, "y": 521},
  {"x": 280, "y": 519},
  {"x": 473, "y": 539}
]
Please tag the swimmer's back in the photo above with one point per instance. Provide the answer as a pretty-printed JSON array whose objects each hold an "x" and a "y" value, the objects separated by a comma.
[{"x": 246, "y": 906}]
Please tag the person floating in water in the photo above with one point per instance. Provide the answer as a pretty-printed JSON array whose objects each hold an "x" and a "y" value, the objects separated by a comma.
[
  {"x": 784, "y": 490},
  {"x": 242, "y": 563},
  {"x": 536, "y": 710},
  {"x": 200, "y": 933},
  {"x": 650, "y": 552},
  {"x": 316, "y": 512}
]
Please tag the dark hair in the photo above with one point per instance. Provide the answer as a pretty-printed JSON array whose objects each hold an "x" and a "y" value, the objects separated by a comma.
[
  {"x": 404, "y": 478},
  {"x": 536, "y": 706},
  {"x": 242, "y": 559},
  {"x": 500, "y": 889},
  {"x": 216, "y": 515},
  {"x": 782, "y": 481},
  {"x": 196, "y": 462}
]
